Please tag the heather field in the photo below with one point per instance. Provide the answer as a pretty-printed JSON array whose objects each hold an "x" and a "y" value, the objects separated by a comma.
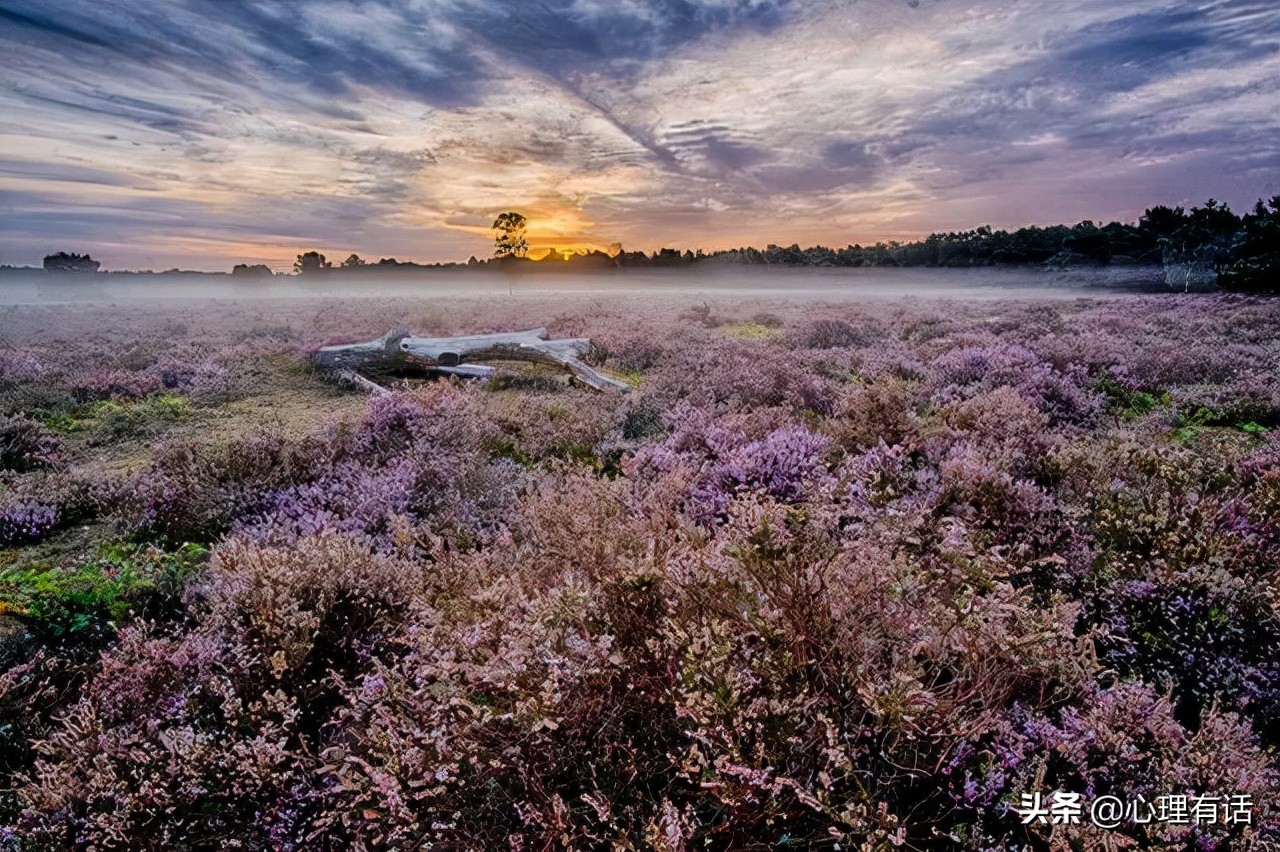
[{"x": 835, "y": 574}]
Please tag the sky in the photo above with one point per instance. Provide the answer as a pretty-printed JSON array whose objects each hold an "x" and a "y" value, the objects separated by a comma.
[{"x": 203, "y": 133}]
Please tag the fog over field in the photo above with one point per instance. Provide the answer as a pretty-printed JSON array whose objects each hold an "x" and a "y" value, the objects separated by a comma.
[{"x": 731, "y": 284}]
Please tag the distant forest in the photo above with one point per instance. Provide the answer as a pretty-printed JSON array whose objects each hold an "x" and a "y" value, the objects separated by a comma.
[
  {"x": 1205, "y": 245},
  {"x": 1242, "y": 251}
]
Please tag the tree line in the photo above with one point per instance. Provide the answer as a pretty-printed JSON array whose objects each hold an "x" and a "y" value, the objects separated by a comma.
[{"x": 1241, "y": 251}]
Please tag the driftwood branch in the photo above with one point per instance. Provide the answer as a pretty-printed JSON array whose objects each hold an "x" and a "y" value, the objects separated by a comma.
[
  {"x": 400, "y": 351},
  {"x": 354, "y": 378}
]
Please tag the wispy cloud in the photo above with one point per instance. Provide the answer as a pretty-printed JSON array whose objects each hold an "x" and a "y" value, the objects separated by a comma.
[{"x": 202, "y": 133}]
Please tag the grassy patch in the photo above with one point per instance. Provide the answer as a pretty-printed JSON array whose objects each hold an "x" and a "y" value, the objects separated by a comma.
[
  {"x": 1257, "y": 430},
  {"x": 509, "y": 449},
  {"x": 633, "y": 378},
  {"x": 1140, "y": 403},
  {"x": 1187, "y": 435},
  {"x": 96, "y": 596},
  {"x": 110, "y": 419},
  {"x": 1204, "y": 417},
  {"x": 1131, "y": 404},
  {"x": 749, "y": 331},
  {"x": 577, "y": 453}
]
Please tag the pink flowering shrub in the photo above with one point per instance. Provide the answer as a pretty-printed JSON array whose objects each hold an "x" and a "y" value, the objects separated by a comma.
[
  {"x": 412, "y": 460},
  {"x": 207, "y": 381},
  {"x": 1124, "y": 743},
  {"x": 832, "y": 333},
  {"x": 862, "y": 577},
  {"x": 25, "y": 523},
  {"x": 532, "y": 427},
  {"x": 197, "y": 492},
  {"x": 632, "y": 352},
  {"x": 884, "y": 410},
  {"x": 235, "y": 705},
  {"x": 40, "y": 503},
  {"x": 25, "y": 444},
  {"x": 1001, "y": 427},
  {"x": 741, "y": 374},
  {"x": 109, "y": 383},
  {"x": 967, "y": 370},
  {"x": 787, "y": 464},
  {"x": 19, "y": 367}
]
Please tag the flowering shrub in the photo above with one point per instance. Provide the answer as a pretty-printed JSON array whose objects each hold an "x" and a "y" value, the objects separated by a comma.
[
  {"x": 25, "y": 444},
  {"x": 114, "y": 384},
  {"x": 18, "y": 367},
  {"x": 786, "y": 464},
  {"x": 743, "y": 375},
  {"x": 884, "y": 410},
  {"x": 234, "y": 705},
  {"x": 1207, "y": 639},
  {"x": 863, "y": 578},
  {"x": 1126, "y": 743},
  {"x": 411, "y": 460},
  {"x": 633, "y": 353},
  {"x": 197, "y": 492},
  {"x": 968, "y": 370},
  {"x": 207, "y": 382},
  {"x": 534, "y": 428},
  {"x": 25, "y": 523},
  {"x": 836, "y": 333}
]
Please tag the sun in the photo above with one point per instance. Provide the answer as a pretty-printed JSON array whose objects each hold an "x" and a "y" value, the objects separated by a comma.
[{"x": 556, "y": 231}]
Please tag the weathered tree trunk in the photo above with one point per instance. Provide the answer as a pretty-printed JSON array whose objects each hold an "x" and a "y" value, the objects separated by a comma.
[{"x": 400, "y": 351}]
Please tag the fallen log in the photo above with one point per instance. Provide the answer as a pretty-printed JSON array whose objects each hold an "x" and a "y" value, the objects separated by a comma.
[{"x": 400, "y": 351}]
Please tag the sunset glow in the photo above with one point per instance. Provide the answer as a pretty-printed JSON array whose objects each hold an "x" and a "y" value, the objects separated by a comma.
[{"x": 200, "y": 134}]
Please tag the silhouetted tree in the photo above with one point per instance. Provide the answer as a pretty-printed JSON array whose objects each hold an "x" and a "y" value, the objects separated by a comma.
[
  {"x": 666, "y": 257},
  {"x": 1162, "y": 222},
  {"x": 509, "y": 235},
  {"x": 63, "y": 262},
  {"x": 311, "y": 261},
  {"x": 352, "y": 262},
  {"x": 1088, "y": 240},
  {"x": 1252, "y": 263},
  {"x": 257, "y": 270},
  {"x": 1206, "y": 233}
]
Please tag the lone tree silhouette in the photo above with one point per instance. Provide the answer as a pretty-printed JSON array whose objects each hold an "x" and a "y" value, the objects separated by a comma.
[
  {"x": 311, "y": 261},
  {"x": 508, "y": 235}
]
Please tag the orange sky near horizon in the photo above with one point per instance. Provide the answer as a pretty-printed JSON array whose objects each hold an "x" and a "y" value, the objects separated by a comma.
[{"x": 205, "y": 134}]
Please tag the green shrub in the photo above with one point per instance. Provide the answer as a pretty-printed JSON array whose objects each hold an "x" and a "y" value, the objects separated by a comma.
[
  {"x": 97, "y": 596},
  {"x": 148, "y": 416},
  {"x": 1131, "y": 404}
]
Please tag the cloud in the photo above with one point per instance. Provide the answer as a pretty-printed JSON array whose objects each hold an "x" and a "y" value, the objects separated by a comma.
[
  {"x": 191, "y": 130},
  {"x": 562, "y": 37}
]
